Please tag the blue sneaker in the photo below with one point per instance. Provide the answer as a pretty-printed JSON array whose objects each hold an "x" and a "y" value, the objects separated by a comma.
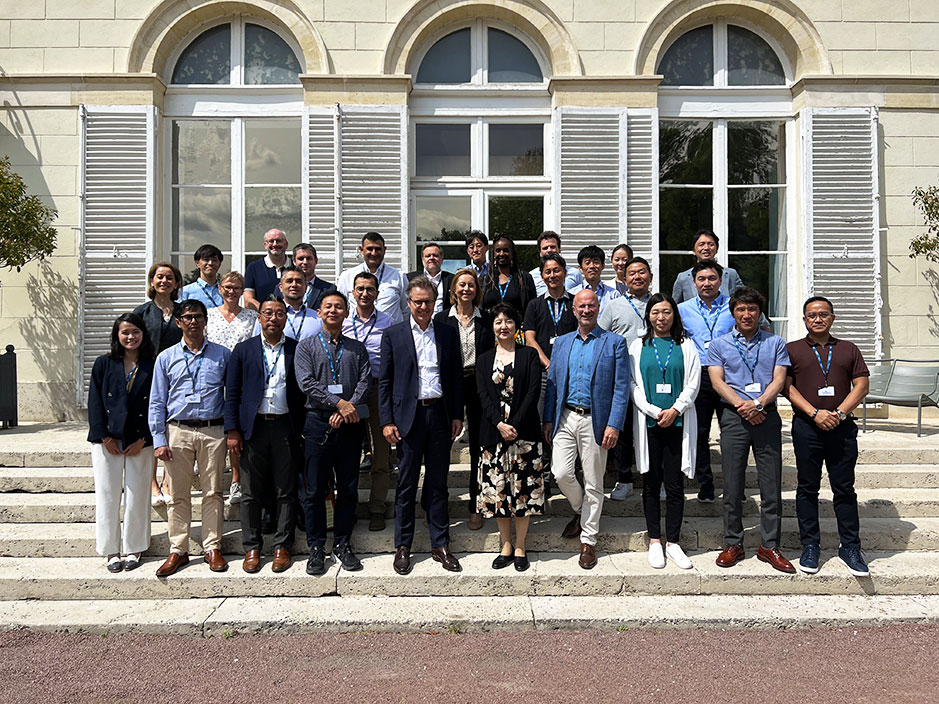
[
  {"x": 854, "y": 560},
  {"x": 808, "y": 563}
]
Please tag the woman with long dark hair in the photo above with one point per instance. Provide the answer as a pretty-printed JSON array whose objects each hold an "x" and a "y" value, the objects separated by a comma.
[
  {"x": 666, "y": 374},
  {"x": 505, "y": 282},
  {"x": 121, "y": 444}
]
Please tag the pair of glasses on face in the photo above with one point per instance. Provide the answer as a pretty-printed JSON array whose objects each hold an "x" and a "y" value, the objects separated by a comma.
[
  {"x": 817, "y": 316},
  {"x": 189, "y": 319},
  {"x": 421, "y": 303},
  {"x": 232, "y": 289},
  {"x": 366, "y": 289},
  {"x": 278, "y": 314}
]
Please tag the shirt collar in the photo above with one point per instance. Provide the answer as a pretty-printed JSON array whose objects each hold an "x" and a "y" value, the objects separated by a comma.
[
  {"x": 593, "y": 333},
  {"x": 717, "y": 302},
  {"x": 739, "y": 335},
  {"x": 435, "y": 279},
  {"x": 417, "y": 328},
  {"x": 355, "y": 314},
  {"x": 454, "y": 314},
  {"x": 566, "y": 296},
  {"x": 270, "y": 265},
  {"x": 641, "y": 299},
  {"x": 811, "y": 343},
  {"x": 279, "y": 343},
  {"x": 291, "y": 309}
]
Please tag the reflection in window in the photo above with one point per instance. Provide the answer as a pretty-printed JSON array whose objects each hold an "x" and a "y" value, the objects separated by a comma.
[
  {"x": 202, "y": 150},
  {"x": 756, "y": 219},
  {"x": 201, "y": 216},
  {"x": 521, "y": 218},
  {"x": 271, "y": 206},
  {"x": 444, "y": 219},
  {"x": 269, "y": 60},
  {"x": 767, "y": 274},
  {"x": 751, "y": 61},
  {"x": 448, "y": 60},
  {"x": 516, "y": 150},
  {"x": 689, "y": 61},
  {"x": 510, "y": 61},
  {"x": 207, "y": 60},
  {"x": 756, "y": 152},
  {"x": 685, "y": 151},
  {"x": 272, "y": 151},
  {"x": 442, "y": 150}
]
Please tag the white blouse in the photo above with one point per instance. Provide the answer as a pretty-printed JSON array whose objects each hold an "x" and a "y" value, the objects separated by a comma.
[{"x": 220, "y": 331}]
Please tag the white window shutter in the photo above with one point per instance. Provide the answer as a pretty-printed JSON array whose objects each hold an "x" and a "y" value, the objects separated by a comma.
[
  {"x": 117, "y": 224},
  {"x": 322, "y": 186},
  {"x": 841, "y": 220},
  {"x": 642, "y": 183}
]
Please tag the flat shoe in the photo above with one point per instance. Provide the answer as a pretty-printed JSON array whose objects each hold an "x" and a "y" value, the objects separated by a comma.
[
  {"x": 502, "y": 561},
  {"x": 521, "y": 563},
  {"x": 115, "y": 565},
  {"x": 131, "y": 562}
]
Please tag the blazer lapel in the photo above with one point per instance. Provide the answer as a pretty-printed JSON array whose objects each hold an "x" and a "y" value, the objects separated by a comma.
[{"x": 412, "y": 350}]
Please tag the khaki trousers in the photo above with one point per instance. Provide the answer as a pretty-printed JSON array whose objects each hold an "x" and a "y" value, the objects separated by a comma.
[
  {"x": 207, "y": 447},
  {"x": 575, "y": 437}
]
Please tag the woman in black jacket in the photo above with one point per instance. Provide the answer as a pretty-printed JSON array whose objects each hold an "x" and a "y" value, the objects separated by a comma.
[
  {"x": 511, "y": 481},
  {"x": 121, "y": 444},
  {"x": 505, "y": 282}
]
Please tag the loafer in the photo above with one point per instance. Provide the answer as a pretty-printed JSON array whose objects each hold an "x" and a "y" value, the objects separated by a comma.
[
  {"x": 131, "y": 562},
  {"x": 446, "y": 558},
  {"x": 522, "y": 563},
  {"x": 572, "y": 529},
  {"x": 115, "y": 564},
  {"x": 376, "y": 521},
  {"x": 173, "y": 563},
  {"x": 588, "y": 556},
  {"x": 215, "y": 561},
  {"x": 775, "y": 559},
  {"x": 731, "y": 555},
  {"x": 316, "y": 565},
  {"x": 402, "y": 562},
  {"x": 345, "y": 557},
  {"x": 281, "y": 560},
  {"x": 252, "y": 561},
  {"x": 475, "y": 521},
  {"x": 502, "y": 561},
  {"x": 808, "y": 563}
]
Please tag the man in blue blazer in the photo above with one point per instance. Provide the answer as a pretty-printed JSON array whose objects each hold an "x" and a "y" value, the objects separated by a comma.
[
  {"x": 420, "y": 407},
  {"x": 584, "y": 412},
  {"x": 263, "y": 417}
]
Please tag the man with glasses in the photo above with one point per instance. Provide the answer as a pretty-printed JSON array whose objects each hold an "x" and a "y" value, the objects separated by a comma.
[
  {"x": 367, "y": 325},
  {"x": 391, "y": 282},
  {"x": 827, "y": 379},
  {"x": 187, "y": 404},
  {"x": 432, "y": 256},
  {"x": 420, "y": 400},
  {"x": 305, "y": 259},
  {"x": 262, "y": 275},
  {"x": 208, "y": 259}
]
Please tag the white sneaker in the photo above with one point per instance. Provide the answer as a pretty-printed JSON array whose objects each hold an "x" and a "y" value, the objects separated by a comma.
[
  {"x": 662, "y": 494},
  {"x": 656, "y": 556},
  {"x": 678, "y": 556},
  {"x": 621, "y": 491},
  {"x": 234, "y": 494}
]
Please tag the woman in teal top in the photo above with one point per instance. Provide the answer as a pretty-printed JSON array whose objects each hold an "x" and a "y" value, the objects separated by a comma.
[{"x": 666, "y": 376}]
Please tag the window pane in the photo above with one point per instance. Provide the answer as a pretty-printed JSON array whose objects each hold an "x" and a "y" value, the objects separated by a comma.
[
  {"x": 751, "y": 61},
  {"x": 267, "y": 207},
  {"x": 685, "y": 151},
  {"x": 670, "y": 266},
  {"x": 510, "y": 61},
  {"x": 202, "y": 152},
  {"x": 442, "y": 150},
  {"x": 756, "y": 219},
  {"x": 201, "y": 216},
  {"x": 756, "y": 152},
  {"x": 268, "y": 58},
  {"x": 521, "y": 218},
  {"x": 682, "y": 212},
  {"x": 690, "y": 60},
  {"x": 272, "y": 151},
  {"x": 448, "y": 60},
  {"x": 444, "y": 219},
  {"x": 767, "y": 274},
  {"x": 516, "y": 150},
  {"x": 207, "y": 60}
]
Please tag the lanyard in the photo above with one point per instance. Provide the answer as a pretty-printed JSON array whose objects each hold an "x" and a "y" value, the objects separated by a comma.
[
  {"x": 668, "y": 357},
  {"x": 210, "y": 292},
  {"x": 714, "y": 311},
  {"x": 129, "y": 381},
  {"x": 556, "y": 318},
  {"x": 632, "y": 305},
  {"x": 309, "y": 292},
  {"x": 269, "y": 370},
  {"x": 333, "y": 367},
  {"x": 186, "y": 355},
  {"x": 826, "y": 367},
  {"x": 504, "y": 288},
  {"x": 743, "y": 356},
  {"x": 293, "y": 328},
  {"x": 355, "y": 328}
]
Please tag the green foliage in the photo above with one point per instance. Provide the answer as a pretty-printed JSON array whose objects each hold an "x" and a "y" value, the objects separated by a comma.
[
  {"x": 927, "y": 243},
  {"x": 25, "y": 229}
]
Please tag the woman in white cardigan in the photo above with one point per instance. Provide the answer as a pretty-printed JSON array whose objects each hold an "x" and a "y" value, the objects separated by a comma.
[{"x": 666, "y": 375}]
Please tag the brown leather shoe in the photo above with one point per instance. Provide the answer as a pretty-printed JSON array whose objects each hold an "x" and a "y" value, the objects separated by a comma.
[
  {"x": 281, "y": 560},
  {"x": 446, "y": 558},
  {"x": 252, "y": 561},
  {"x": 775, "y": 559},
  {"x": 588, "y": 556},
  {"x": 572, "y": 529},
  {"x": 215, "y": 561},
  {"x": 731, "y": 555},
  {"x": 173, "y": 563},
  {"x": 475, "y": 521},
  {"x": 402, "y": 563}
]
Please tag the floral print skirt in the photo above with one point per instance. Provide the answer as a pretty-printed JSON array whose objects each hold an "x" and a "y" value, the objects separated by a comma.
[{"x": 511, "y": 481}]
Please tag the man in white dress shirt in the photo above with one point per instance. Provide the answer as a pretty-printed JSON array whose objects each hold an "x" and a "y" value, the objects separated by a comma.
[{"x": 392, "y": 299}]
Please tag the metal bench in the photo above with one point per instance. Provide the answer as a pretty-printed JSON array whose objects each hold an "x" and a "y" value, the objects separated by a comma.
[{"x": 904, "y": 382}]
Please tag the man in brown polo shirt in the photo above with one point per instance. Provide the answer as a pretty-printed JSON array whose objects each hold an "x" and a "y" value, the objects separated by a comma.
[{"x": 827, "y": 379}]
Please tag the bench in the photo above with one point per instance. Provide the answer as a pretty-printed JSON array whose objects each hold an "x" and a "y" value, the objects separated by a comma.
[{"x": 904, "y": 382}]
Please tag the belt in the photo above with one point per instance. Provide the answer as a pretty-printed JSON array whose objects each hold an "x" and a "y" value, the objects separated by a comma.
[
  {"x": 198, "y": 423},
  {"x": 469, "y": 371},
  {"x": 271, "y": 416},
  {"x": 429, "y": 401},
  {"x": 579, "y": 410}
]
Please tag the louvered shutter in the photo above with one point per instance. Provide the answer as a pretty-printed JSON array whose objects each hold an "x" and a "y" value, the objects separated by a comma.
[
  {"x": 642, "y": 179},
  {"x": 842, "y": 219},
  {"x": 322, "y": 197},
  {"x": 117, "y": 223}
]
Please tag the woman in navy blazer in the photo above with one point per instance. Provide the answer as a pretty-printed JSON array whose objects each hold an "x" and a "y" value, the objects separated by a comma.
[{"x": 121, "y": 444}]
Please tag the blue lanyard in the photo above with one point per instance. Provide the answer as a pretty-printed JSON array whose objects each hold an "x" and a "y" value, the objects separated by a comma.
[
  {"x": 210, "y": 292},
  {"x": 186, "y": 355},
  {"x": 714, "y": 311},
  {"x": 631, "y": 305},
  {"x": 269, "y": 370},
  {"x": 293, "y": 328},
  {"x": 309, "y": 292},
  {"x": 746, "y": 361},
  {"x": 504, "y": 288},
  {"x": 658, "y": 359},
  {"x": 826, "y": 367},
  {"x": 333, "y": 367},
  {"x": 355, "y": 328},
  {"x": 623, "y": 289},
  {"x": 556, "y": 318},
  {"x": 128, "y": 382}
]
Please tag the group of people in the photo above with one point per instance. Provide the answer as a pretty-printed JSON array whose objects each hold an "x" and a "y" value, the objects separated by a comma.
[{"x": 551, "y": 369}]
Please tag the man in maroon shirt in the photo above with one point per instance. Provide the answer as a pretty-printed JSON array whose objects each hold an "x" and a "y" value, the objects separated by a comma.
[{"x": 827, "y": 379}]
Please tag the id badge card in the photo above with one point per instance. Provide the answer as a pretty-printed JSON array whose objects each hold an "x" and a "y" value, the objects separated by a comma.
[
  {"x": 334, "y": 388},
  {"x": 193, "y": 398},
  {"x": 707, "y": 344},
  {"x": 551, "y": 340},
  {"x": 663, "y": 388},
  {"x": 268, "y": 392},
  {"x": 753, "y": 388},
  {"x": 826, "y": 391}
]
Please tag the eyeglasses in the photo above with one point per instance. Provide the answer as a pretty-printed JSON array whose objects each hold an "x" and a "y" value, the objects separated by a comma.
[
  {"x": 233, "y": 289},
  {"x": 277, "y": 241},
  {"x": 817, "y": 316},
  {"x": 279, "y": 314},
  {"x": 421, "y": 303},
  {"x": 194, "y": 318},
  {"x": 366, "y": 289}
]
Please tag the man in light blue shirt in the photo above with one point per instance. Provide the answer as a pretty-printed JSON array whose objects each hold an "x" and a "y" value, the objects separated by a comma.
[
  {"x": 477, "y": 247},
  {"x": 591, "y": 260},
  {"x": 550, "y": 243},
  {"x": 704, "y": 246},
  {"x": 186, "y": 419},
  {"x": 302, "y": 320},
  {"x": 208, "y": 259}
]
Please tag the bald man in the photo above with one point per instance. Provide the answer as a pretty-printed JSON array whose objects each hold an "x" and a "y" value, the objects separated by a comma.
[{"x": 263, "y": 275}]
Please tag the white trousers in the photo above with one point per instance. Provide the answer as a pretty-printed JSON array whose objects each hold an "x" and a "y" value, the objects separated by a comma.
[
  {"x": 112, "y": 474},
  {"x": 575, "y": 437}
]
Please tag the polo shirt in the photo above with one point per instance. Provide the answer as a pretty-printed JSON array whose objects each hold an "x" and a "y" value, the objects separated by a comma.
[
  {"x": 626, "y": 316},
  {"x": 805, "y": 370},
  {"x": 605, "y": 293},
  {"x": 262, "y": 277},
  {"x": 746, "y": 362},
  {"x": 539, "y": 318},
  {"x": 572, "y": 278}
]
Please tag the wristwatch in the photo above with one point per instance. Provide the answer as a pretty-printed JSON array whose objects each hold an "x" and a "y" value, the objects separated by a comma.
[
  {"x": 758, "y": 406},
  {"x": 841, "y": 414}
]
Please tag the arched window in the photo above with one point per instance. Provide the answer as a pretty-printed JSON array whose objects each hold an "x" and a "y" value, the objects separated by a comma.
[{"x": 479, "y": 54}]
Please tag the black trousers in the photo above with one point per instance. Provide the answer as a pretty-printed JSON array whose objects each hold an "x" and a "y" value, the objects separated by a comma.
[
  {"x": 664, "y": 466},
  {"x": 707, "y": 402},
  {"x": 268, "y": 469},
  {"x": 473, "y": 416},
  {"x": 624, "y": 457},
  {"x": 336, "y": 458},
  {"x": 837, "y": 448},
  {"x": 428, "y": 443}
]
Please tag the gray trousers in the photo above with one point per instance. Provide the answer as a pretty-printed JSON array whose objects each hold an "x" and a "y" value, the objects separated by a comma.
[{"x": 738, "y": 437}]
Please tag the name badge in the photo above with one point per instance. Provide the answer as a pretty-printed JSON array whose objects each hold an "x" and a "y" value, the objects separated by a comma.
[
  {"x": 754, "y": 388},
  {"x": 268, "y": 392},
  {"x": 551, "y": 340},
  {"x": 193, "y": 398},
  {"x": 707, "y": 344},
  {"x": 663, "y": 388},
  {"x": 334, "y": 388},
  {"x": 826, "y": 391}
]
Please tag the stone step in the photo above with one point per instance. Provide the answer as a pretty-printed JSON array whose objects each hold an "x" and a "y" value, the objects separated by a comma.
[
  {"x": 550, "y": 574},
  {"x": 872, "y": 503},
  {"x": 617, "y": 534}
]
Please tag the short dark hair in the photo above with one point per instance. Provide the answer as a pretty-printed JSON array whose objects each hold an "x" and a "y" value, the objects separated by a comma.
[
  {"x": 191, "y": 304},
  {"x": 705, "y": 231},
  {"x": 508, "y": 311},
  {"x": 291, "y": 268},
  {"x": 746, "y": 294},
  {"x": 307, "y": 247},
  {"x": 591, "y": 251},
  {"x": 553, "y": 257},
  {"x": 639, "y": 260},
  {"x": 373, "y": 237},
  {"x": 548, "y": 235},
  {"x": 816, "y": 299},
  {"x": 273, "y": 298},
  {"x": 208, "y": 251},
  {"x": 623, "y": 245},
  {"x": 145, "y": 351},
  {"x": 431, "y": 244},
  {"x": 365, "y": 275},
  {"x": 476, "y": 235},
  {"x": 677, "y": 331},
  {"x": 707, "y": 264},
  {"x": 328, "y": 294}
]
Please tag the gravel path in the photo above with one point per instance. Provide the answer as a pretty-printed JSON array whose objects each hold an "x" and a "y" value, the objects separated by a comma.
[{"x": 892, "y": 664}]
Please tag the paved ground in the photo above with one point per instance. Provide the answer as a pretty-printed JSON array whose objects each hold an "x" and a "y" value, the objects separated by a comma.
[{"x": 892, "y": 664}]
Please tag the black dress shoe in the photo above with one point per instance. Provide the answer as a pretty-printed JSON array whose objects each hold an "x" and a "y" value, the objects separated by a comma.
[
  {"x": 446, "y": 558},
  {"x": 502, "y": 561},
  {"x": 402, "y": 563},
  {"x": 521, "y": 563},
  {"x": 572, "y": 529},
  {"x": 316, "y": 565},
  {"x": 343, "y": 553}
]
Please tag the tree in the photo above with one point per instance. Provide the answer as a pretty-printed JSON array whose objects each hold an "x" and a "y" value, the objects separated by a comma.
[
  {"x": 25, "y": 230},
  {"x": 927, "y": 243}
]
